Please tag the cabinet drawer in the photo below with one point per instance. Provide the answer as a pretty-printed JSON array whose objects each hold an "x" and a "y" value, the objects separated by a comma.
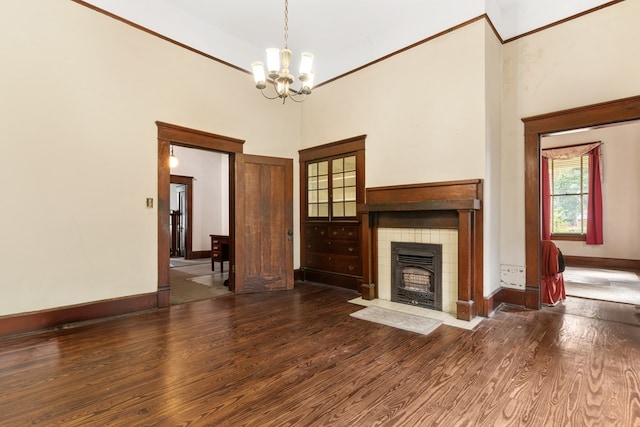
[
  {"x": 335, "y": 263},
  {"x": 317, "y": 245},
  {"x": 343, "y": 247},
  {"x": 346, "y": 264},
  {"x": 318, "y": 261},
  {"x": 338, "y": 247},
  {"x": 343, "y": 232},
  {"x": 312, "y": 231}
]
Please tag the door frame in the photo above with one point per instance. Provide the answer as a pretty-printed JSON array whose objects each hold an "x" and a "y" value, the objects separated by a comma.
[
  {"x": 605, "y": 113},
  {"x": 187, "y": 181},
  {"x": 169, "y": 134}
]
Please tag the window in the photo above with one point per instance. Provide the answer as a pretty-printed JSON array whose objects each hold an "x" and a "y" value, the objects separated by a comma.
[
  {"x": 569, "y": 194},
  {"x": 331, "y": 187}
]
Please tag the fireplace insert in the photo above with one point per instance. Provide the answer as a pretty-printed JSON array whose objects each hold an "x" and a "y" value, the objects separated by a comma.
[{"x": 416, "y": 274}]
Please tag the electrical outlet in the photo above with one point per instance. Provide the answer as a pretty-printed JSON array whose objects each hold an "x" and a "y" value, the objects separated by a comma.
[{"x": 150, "y": 202}]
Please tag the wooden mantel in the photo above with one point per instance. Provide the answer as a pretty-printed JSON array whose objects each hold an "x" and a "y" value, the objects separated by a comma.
[
  {"x": 450, "y": 204},
  {"x": 428, "y": 205}
]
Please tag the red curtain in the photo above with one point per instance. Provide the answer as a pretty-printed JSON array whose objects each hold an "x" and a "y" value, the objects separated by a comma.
[
  {"x": 594, "y": 203},
  {"x": 546, "y": 200}
]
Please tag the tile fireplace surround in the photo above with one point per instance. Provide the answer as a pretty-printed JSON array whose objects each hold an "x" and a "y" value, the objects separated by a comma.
[
  {"x": 449, "y": 241},
  {"x": 447, "y": 213}
]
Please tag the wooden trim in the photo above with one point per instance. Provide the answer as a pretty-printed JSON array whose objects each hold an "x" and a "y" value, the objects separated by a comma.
[
  {"x": 194, "y": 138},
  {"x": 562, "y": 21},
  {"x": 517, "y": 297},
  {"x": 466, "y": 307},
  {"x": 367, "y": 65},
  {"x": 188, "y": 238},
  {"x": 492, "y": 302},
  {"x": 331, "y": 149},
  {"x": 404, "y": 49},
  {"x": 570, "y": 237},
  {"x": 298, "y": 275},
  {"x": 200, "y": 254},
  {"x": 594, "y": 262},
  {"x": 333, "y": 279},
  {"x": 443, "y": 190},
  {"x": 591, "y": 115},
  {"x": 45, "y": 319},
  {"x": 160, "y": 36},
  {"x": 191, "y": 138},
  {"x": 418, "y": 219},
  {"x": 478, "y": 253},
  {"x": 429, "y": 205}
]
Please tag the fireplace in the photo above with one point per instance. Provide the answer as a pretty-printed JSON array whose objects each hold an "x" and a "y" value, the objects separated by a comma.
[
  {"x": 416, "y": 271},
  {"x": 437, "y": 208}
]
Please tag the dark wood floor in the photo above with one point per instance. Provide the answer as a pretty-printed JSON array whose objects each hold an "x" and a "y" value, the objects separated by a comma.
[{"x": 298, "y": 358}]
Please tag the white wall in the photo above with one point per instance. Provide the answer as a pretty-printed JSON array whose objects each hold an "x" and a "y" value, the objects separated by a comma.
[
  {"x": 584, "y": 61},
  {"x": 620, "y": 190},
  {"x": 491, "y": 188},
  {"x": 81, "y": 93},
  {"x": 423, "y": 112},
  {"x": 210, "y": 173}
]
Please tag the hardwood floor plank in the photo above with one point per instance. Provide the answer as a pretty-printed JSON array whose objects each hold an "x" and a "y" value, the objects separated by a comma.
[{"x": 298, "y": 358}]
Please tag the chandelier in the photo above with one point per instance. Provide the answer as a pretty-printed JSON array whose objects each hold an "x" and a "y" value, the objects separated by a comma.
[{"x": 278, "y": 62}]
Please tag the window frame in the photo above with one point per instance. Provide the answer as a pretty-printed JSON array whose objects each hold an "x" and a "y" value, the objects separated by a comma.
[
  {"x": 345, "y": 148},
  {"x": 331, "y": 188},
  {"x": 584, "y": 163}
]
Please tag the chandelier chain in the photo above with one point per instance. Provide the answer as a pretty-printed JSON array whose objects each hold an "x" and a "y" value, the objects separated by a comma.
[{"x": 286, "y": 24}]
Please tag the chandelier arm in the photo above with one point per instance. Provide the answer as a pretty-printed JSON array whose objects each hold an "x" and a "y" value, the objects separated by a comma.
[
  {"x": 293, "y": 95},
  {"x": 268, "y": 97}
]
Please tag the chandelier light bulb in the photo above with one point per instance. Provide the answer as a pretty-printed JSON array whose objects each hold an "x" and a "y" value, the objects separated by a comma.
[
  {"x": 273, "y": 62},
  {"x": 258, "y": 74},
  {"x": 306, "y": 63}
]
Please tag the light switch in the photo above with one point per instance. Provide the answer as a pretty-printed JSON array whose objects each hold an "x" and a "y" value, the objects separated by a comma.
[{"x": 150, "y": 202}]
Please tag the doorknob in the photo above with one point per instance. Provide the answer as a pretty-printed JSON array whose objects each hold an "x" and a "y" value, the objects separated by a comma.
[{"x": 289, "y": 234}]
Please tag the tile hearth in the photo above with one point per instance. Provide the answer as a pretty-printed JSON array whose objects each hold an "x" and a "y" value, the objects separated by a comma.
[{"x": 446, "y": 318}]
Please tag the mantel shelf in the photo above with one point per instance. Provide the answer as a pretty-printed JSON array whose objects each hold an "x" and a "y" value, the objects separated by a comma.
[{"x": 429, "y": 205}]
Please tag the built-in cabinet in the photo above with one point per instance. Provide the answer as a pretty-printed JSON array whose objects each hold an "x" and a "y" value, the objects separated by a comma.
[{"x": 332, "y": 184}]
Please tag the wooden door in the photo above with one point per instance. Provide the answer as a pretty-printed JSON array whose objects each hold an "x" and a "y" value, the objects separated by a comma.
[{"x": 263, "y": 239}]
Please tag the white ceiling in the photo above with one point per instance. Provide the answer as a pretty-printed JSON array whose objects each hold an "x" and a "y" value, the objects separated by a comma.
[{"x": 342, "y": 34}]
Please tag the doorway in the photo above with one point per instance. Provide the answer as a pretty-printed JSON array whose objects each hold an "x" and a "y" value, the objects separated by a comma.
[
  {"x": 183, "y": 137},
  {"x": 180, "y": 216},
  {"x": 177, "y": 219},
  {"x": 199, "y": 196},
  {"x": 260, "y": 212},
  {"x": 534, "y": 127},
  {"x": 598, "y": 271}
]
